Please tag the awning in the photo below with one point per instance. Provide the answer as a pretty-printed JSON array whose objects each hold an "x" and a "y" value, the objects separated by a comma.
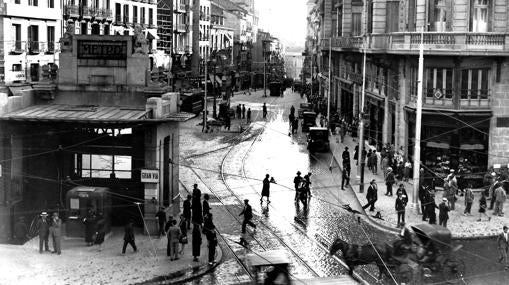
[
  {"x": 88, "y": 114},
  {"x": 151, "y": 35}
]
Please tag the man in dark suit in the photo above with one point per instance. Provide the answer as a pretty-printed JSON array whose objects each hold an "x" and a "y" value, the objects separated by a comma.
[
  {"x": 503, "y": 246},
  {"x": 248, "y": 215},
  {"x": 129, "y": 237},
  {"x": 55, "y": 231},
  {"x": 371, "y": 196},
  {"x": 43, "y": 228}
]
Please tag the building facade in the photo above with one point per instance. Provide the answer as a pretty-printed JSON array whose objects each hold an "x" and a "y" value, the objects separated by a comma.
[
  {"x": 30, "y": 34},
  {"x": 465, "y": 113}
]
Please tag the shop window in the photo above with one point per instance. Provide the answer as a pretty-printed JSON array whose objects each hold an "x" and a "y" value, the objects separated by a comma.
[
  {"x": 438, "y": 82},
  {"x": 103, "y": 166},
  {"x": 356, "y": 24},
  {"x": 479, "y": 15},
  {"x": 474, "y": 83}
]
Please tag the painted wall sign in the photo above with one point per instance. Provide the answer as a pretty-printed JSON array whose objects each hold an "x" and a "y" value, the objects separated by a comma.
[
  {"x": 149, "y": 176},
  {"x": 88, "y": 49}
]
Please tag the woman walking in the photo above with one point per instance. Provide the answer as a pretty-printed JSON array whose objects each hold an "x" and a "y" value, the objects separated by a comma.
[
  {"x": 196, "y": 243},
  {"x": 482, "y": 207},
  {"x": 183, "y": 233}
]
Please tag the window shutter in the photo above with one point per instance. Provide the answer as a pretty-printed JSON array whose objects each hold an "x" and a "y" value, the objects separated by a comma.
[{"x": 448, "y": 23}]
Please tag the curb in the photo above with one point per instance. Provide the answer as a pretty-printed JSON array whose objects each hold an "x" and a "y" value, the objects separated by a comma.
[{"x": 390, "y": 230}]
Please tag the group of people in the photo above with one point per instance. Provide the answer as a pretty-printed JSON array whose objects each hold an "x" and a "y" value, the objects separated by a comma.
[
  {"x": 242, "y": 114},
  {"x": 195, "y": 212},
  {"x": 50, "y": 227},
  {"x": 94, "y": 229},
  {"x": 302, "y": 189}
]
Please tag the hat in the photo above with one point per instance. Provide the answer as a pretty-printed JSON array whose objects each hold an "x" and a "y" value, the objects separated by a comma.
[
  {"x": 246, "y": 200},
  {"x": 44, "y": 214},
  {"x": 452, "y": 170},
  {"x": 373, "y": 180},
  {"x": 298, "y": 172},
  {"x": 444, "y": 199}
]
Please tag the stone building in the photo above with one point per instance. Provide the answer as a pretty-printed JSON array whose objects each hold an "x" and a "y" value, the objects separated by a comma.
[{"x": 465, "y": 122}]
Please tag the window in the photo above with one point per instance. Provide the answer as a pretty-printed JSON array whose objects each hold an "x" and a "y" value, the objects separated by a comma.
[
  {"x": 413, "y": 80},
  {"x": 108, "y": 4},
  {"x": 370, "y": 17},
  {"x": 50, "y": 34},
  {"x": 474, "y": 83},
  {"x": 339, "y": 12},
  {"x": 17, "y": 67},
  {"x": 479, "y": 17},
  {"x": 33, "y": 35},
  {"x": 51, "y": 3},
  {"x": 392, "y": 17},
  {"x": 135, "y": 14},
  {"x": 412, "y": 13},
  {"x": 33, "y": 2},
  {"x": 106, "y": 29},
  {"x": 126, "y": 13},
  {"x": 438, "y": 15},
  {"x": 142, "y": 15},
  {"x": 438, "y": 82},
  {"x": 356, "y": 24},
  {"x": 102, "y": 166},
  {"x": 118, "y": 13},
  {"x": 17, "y": 1},
  {"x": 95, "y": 29},
  {"x": 84, "y": 28},
  {"x": 150, "y": 16},
  {"x": 16, "y": 35}
]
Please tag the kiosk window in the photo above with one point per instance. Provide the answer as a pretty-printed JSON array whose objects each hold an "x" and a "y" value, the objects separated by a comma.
[
  {"x": 102, "y": 166},
  {"x": 75, "y": 203}
]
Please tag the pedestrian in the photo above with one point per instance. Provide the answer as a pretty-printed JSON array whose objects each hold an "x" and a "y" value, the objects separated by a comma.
[
  {"x": 345, "y": 178},
  {"x": 493, "y": 187},
  {"x": 400, "y": 206},
  {"x": 183, "y": 233},
  {"x": 129, "y": 237},
  {"x": 295, "y": 126},
  {"x": 371, "y": 196},
  {"x": 385, "y": 165},
  {"x": 307, "y": 184},
  {"x": 243, "y": 111},
  {"x": 342, "y": 132},
  {"x": 389, "y": 181},
  {"x": 99, "y": 234},
  {"x": 89, "y": 222},
  {"x": 227, "y": 122},
  {"x": 423, "y": 199},
  {"x": 453, "y": 183},
  {"x": 161, "y": 220},
  {"x": 208, "y": 224},
  {"x": 500, "y": 197},
  {"x": 43, "y": 230},
  {"x": 402, "y": 191},
  {"x": 174, "y": 235},
  {"x": 482, "y": 207},
  {"x": 469, "y": 199},
  {"x": 206, "y": 205},
  {"x": 197, "y": 214},
  {"x": 265, "y": 189},
  {"x": 370, "y": 153},
  {"x": 296, "y": 182},
  {"x": 356, "y": 155},
  {"x": 248, "y": 215},
  {"x": 196, "y": 242},
  {"x": 291, "y": 118},
  {"x": 430, "y": 208},
  {"x": 407, "y": 170},
  {"x": 503, "y": 247},
  {"x": 264, "y": 110},
  {"x": 292, "y": 110},
  {"x": 55, "y": 231},
  {"x": 248, "y": 119},
  {"x": 374, "y": 162},
  {"x": 449, "y": 194},
  {"x": 187, "y": 210},
  {"x": 239, "y": 111},
  {"x": 443, "y": 213},
  {"x": 212, "y": 244}
]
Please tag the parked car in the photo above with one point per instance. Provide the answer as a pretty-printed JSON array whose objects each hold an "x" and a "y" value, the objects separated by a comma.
[
  {"x": 308, "y": 120},
  {"x": 318, "y": 139},
  {"x": 304, "y": 107}
]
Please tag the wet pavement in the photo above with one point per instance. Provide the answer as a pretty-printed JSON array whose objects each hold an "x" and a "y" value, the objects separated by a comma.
[{"x": 232, "y": 168}]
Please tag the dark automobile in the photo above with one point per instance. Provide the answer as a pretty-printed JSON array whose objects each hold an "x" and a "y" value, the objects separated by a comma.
[
  {"x": 275, "y": 88},
  {"x": 318, "y": 139},
  {"x": 308, "y": 120},
  {"x": 304, "y": 107}
]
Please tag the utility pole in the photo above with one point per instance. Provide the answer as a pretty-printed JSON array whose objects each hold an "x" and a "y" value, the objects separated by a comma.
[
  {"x": 418, "y": 121},
  {"x": 205, "y": 96},
  {"x": 195, "y": 59},
  {"x": 330, "y": 82},
  {"x": 361, "y": 113},
  {"x": 264, "y": 75}
]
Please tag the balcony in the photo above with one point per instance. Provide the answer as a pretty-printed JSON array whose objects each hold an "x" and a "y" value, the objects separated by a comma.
[
  {"x": 454, "y": 100},
  {"x": 17, "y": 47},
  {"x": 439, "y": 43},
  {"x": 72, "y": 11},
  {"x": 51, "y": 48},
  {"x": 34, "y": 47},
  {"x": 180, "y": 28}
]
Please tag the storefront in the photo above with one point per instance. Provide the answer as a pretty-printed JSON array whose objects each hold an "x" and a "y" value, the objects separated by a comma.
[
  {"x": 375, "y": 110},
  {"x": 455, "y": 141},
  {"x": 346, "y": 101}
]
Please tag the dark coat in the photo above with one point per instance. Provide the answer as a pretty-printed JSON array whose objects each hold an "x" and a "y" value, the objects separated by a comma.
[
  {"x": 43, "y": 227},
  {"x": 345, "y": 155},
  {"x": 372, "y": 194},
  {"x": 187, "y": 209},
  {"x": 266, "y": 187},
  {"x": 402, "y": 191},
  {"x": 389, "y": 180},
  {"x": 197, "y": 211},
  {"x": 400, "y": 205},
  {"x": 161, "y": 217},
  {"x": 206, "y": 207},
  {"x": 90, "y": 223},
  {"x": 129, "y": 232},
  {"x": 443, "y": 211},
  {"x": 196, "y": 242},
  {"x": 247, "y": 212}
]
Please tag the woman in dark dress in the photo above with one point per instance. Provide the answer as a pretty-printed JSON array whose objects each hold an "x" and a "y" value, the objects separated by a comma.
[{"x": 196, "y": 243}]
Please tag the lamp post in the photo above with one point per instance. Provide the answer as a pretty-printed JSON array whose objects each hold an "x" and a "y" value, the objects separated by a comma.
[
  {"x": 418, "y": 120},
  {"x": 361, "y": 113}
]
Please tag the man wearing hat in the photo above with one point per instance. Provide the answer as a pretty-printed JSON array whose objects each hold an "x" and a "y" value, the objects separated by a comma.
[
  {"x": 55, "y": 231},
  {"x": 43, "y": 229},
  {"x": 248, "y": 215},
  {"x": 296, "y": 183},
  {"x": 389, "y": 181},
  {"x": 371, "y": 196},
  {"x": 503, "y": 247},
  {"x": 443, "y": 213}
]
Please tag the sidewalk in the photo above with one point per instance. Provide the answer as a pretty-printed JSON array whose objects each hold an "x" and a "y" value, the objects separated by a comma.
[
  {"x": 461, "y": 226},
  {"x": 79, "y": 264}
]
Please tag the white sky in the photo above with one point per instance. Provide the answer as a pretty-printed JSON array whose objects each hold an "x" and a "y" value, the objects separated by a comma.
[{"x": 285, "y": 19}]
